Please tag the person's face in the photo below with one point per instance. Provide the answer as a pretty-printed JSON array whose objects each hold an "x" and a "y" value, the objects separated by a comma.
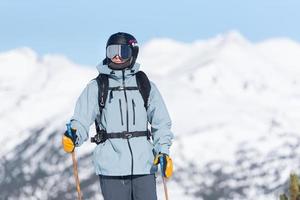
[{"x": 117, "y": 59}]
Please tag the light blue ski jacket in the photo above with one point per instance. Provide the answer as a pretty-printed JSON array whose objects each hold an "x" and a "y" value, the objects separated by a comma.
[{"x": 119, "y": 157}]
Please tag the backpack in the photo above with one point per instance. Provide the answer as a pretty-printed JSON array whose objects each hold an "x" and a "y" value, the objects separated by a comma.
[{"x": 144, "y": 87}]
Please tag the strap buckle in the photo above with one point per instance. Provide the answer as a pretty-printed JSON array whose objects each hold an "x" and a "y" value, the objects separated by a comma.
[
  {"x": 100, "y": 137},
  {"x": 127, "y": 135}
]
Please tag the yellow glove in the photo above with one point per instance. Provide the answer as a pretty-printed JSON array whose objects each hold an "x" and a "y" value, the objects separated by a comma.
[
  {"x": 166, "y": 164},
  {"x": 68, "y": 141}
]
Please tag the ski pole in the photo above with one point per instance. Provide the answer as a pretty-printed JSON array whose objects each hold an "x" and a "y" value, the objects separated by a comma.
[
  {"x": 163, "y": 178},
  {"x": 75, "y": 168},
  {"x": 76, "y": 175}
]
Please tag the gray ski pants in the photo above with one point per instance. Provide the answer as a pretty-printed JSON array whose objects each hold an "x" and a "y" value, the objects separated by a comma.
[{"x": 136, "y": 187}]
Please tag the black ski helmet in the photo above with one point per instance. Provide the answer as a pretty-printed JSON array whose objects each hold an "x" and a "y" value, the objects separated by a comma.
[{"x": 122, "y": 39}]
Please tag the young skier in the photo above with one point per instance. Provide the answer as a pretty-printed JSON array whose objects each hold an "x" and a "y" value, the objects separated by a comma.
[{"x": 121, "y": 102}]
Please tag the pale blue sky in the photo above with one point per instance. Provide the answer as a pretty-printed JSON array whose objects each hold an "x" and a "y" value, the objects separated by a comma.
[{"x": 79, "y": 29}]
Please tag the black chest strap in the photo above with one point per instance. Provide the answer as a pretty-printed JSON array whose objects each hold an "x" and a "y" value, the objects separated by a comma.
[
  {"x": 119, "y": 88},
  {"x": 102, "y": 136}
]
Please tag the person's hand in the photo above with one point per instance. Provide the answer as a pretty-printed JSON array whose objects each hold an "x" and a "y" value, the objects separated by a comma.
[
  {"x": 68, "y": 141},
  {"x": 166, "y": 164}
]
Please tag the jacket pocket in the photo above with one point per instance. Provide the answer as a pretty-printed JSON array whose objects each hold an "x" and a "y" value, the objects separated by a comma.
[
  {"x": 120, "y": 105},
  {"x": 133, "y": 111}
]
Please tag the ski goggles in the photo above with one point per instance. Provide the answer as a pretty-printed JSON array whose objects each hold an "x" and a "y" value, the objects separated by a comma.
[{"x": 124, "y": 51}]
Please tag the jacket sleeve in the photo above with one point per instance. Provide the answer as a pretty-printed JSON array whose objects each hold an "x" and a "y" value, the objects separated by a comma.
[
  {"x": 160, "y": 121},
  {"x": 85, "y": 112}
]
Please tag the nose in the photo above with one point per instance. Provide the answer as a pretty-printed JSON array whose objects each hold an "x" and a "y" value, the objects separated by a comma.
[{"x": 117, "y": 56}]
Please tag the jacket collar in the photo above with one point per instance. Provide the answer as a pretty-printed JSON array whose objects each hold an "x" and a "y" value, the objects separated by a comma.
[{"x": 104, "y": 69}]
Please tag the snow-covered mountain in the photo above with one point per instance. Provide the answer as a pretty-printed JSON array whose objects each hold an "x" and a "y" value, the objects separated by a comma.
[{"x": 235, "y": 107}]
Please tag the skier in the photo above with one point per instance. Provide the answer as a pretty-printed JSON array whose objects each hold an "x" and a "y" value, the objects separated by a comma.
[{"x": 122, "y": 101}]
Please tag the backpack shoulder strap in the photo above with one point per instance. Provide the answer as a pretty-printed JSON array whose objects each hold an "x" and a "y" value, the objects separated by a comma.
[
  {"x": 144, "y": 86},
  {"x": 102, "y": 82}
]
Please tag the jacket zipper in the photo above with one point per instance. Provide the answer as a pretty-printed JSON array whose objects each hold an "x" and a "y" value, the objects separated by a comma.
[
  {"x": 127, "y": 126},
  {"x": 133, "y": 107},
  {"x": 120, "y": 105}
]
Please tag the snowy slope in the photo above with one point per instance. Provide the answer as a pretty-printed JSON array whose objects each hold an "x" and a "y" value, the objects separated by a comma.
[
  {"x": 36, "y": 90},
  {"x": 235, "y": 107}
]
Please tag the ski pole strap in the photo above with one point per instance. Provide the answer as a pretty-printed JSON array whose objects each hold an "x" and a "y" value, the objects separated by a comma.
[
  {"x": 69, "y": 129},
  {"x": 161, "y": 161}
]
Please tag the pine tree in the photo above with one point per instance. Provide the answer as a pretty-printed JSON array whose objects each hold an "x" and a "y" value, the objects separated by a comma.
[
  {"x": 283, "y": 197},
  {"x": 294, "y": 189}
]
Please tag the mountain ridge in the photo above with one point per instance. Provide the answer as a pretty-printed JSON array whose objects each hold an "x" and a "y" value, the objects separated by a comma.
[{"x": 233, "y": 104}]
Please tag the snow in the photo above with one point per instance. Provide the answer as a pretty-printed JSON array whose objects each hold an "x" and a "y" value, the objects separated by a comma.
[
  {"x": 225, "y": 95},
  {"x": 34, "y": 90}
]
